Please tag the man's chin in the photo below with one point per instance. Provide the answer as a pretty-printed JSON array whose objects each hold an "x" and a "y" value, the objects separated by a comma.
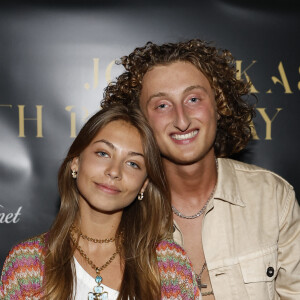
[{"x": 183, "y": 161}]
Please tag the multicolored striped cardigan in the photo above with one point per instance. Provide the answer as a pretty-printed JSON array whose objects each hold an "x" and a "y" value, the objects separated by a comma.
[{"x": 23, "y": 271}]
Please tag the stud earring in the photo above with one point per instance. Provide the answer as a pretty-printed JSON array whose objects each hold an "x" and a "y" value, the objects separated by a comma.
[
  {"x": 140, "y": 196},
  {"x": 74, "y": 174}
]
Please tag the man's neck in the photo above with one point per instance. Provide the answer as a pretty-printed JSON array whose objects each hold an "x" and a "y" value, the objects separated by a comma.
[{"x": 191, "y": 183}]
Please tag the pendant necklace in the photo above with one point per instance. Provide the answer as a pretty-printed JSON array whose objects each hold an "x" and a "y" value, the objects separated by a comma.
[
  {"x": 98, "y": 291},
  {"x": 200, "y": 284},
  {"x": 198, "y": 278}
]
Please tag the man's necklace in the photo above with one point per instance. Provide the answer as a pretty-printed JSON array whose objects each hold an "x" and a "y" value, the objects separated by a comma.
[
  {"x": 98, "y": 291},
  {"x": 198, "y": 278},
  {"x": 198, "y": 214},
  {"x": 200, "y": 284},
  {"x": 202, "y": 210}
]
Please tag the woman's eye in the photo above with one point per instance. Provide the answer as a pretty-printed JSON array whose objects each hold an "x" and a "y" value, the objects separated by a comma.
[
  {"x": 102, "y": 154},
  {"x": 133, "y": 165}
]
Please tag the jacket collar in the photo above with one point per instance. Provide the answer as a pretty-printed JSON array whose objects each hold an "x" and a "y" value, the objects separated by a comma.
[{"x": 227, "y": 186}]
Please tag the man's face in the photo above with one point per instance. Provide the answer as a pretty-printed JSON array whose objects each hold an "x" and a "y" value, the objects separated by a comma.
[{"x": 179, "y": 103}]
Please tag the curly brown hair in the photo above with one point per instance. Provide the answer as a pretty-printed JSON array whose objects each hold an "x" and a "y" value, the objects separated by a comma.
[{"x": 218, "y": 65}]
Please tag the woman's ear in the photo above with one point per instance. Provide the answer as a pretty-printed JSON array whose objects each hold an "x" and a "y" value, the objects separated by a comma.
[
  {"x": 74, "y": 164},
  {"x": 144, "y": 185}
]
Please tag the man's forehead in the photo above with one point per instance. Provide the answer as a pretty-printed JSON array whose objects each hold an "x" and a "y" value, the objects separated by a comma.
[{"x": 179, "y": 71}]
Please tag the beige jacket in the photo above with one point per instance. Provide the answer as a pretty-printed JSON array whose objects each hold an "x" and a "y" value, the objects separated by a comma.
[{"x": 251, "y": 235}]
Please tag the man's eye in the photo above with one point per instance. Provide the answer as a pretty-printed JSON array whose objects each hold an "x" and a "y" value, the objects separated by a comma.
[
  {"x": 163, "y": 105},
  {"x": 194, "y": 99}
]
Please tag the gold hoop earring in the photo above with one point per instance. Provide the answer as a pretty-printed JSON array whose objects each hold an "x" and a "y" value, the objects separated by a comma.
[
  {"x": 74, "y": 174},
  {"x": 140, "y": 196}
]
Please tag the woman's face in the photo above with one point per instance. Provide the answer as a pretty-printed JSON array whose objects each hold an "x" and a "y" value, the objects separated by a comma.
[{"x": 111, "y": 170}]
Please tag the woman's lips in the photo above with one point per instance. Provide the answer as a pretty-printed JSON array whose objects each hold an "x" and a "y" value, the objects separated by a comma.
[{"x": 110, "y": 189}]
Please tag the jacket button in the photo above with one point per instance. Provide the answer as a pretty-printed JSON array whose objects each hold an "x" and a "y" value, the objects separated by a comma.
[{"x": 270, "y": 271}]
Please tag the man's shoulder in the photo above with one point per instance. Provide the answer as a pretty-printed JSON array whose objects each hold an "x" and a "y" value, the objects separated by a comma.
[{"x": 251, "y": 170}]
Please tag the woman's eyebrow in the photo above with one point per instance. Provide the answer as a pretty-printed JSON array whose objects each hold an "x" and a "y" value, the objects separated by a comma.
[
  {"x": 132, "y": 153},
  {"x": 109, "y": 144},
  {"x": 112, "y": 146}
]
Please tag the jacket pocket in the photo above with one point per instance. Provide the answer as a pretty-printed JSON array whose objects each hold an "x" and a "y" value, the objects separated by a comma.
[{"x": 259, "y": 270}]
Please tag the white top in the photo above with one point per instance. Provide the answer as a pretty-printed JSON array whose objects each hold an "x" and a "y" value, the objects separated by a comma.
[{"x": 86, "y": 283}]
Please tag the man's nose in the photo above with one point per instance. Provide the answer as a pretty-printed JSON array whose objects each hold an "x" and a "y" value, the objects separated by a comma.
[{"x": 181, "y": 119}]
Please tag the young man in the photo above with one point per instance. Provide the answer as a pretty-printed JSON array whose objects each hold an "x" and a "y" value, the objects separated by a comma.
[{"x": 239, "y": 224}]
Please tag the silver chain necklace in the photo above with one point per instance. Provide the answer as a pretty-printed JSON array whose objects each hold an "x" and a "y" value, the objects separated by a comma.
[{"x": 201, "y": 211}]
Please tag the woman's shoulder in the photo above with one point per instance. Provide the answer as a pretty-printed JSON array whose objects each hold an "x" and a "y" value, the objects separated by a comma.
[
  {"x": 168, "y": 251},
  {"x": 37, "y": 241},
  {"x": 176, "y": 272},
  {"x": 170, "y": 254},
  {"x": 24, "y": 266},
  {"x": 32, "y": 247},
  {"x": 168, "y": 246}
]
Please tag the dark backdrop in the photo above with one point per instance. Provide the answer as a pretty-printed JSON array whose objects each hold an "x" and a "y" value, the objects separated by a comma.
[{"x": 56, "y": 58}]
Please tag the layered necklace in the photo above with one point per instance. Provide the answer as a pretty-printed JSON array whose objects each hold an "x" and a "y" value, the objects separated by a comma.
[
  {"x": 98, "y": 290},
  {"x": 198, "y": 214}
]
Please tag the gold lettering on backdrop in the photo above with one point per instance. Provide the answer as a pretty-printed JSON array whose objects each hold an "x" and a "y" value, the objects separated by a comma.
[
  {"x": 86, "y": 114},
  {"x": 6, "y": 105},
  {"x": 240, "y": 73},
  {"x": 96, "y": 75},
  {"x": 108, "y": 71},
  {"x": 268, "y": 121},
  {"x": 73, "y": 121},
  {"x": 22, "y": 120},
  {"x": 284, "y": 82},
  {"x": 253, "y": 131}
]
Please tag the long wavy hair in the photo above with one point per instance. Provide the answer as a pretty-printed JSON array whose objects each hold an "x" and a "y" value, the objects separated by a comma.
[
  {"x": 143, "y": 223},
  {"x": 218, "y": 65}
]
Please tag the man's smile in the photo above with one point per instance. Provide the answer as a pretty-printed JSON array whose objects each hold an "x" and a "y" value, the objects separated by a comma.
[{"x": 185, "y": 136}]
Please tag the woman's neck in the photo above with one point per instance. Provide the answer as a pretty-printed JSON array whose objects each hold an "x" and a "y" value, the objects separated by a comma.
[{"x": 97, "y": 224}]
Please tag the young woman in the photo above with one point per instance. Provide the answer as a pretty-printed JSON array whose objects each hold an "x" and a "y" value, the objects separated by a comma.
[{"x": 110, "y": 239}]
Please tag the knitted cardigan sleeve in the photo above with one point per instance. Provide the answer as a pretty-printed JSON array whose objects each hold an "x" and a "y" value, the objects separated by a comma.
[
  {"x": 177, "y": 277},
  {"x": 23, "y": 270}
]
